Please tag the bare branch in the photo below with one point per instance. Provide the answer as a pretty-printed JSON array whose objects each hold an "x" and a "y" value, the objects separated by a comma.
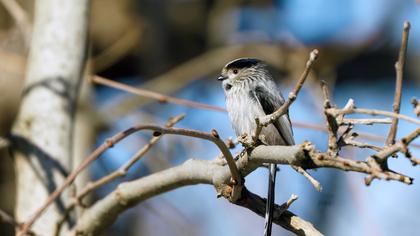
[
  {"x": 362, "y": 145},
  {"x": 292, "y": 95},
  {"x": 6, "y": 218},
  {"x": 21, "y": 18},
  {"x": 374, "y": 113},
  {"x": 105, "y": 211},
  {"x": 307, "y": 157},
  {"x": 399, "y": 67},
  {"x": 281, "y": 216},
  {"x": 213, "y": 137},
  {"x": 398, "y": 147},
  {"x": 4, "y": 142},
  {"x": 346, "y": 121},
  {"x": 364, "y": 135},
  {"x": 122, "y": 171},
  {"x": 311, "y": 179},
  {"x": 154, "y": 95},
  {"x": 332, "y": 126}
]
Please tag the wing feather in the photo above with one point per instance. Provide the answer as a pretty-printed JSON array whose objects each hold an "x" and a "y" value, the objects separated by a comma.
[{"x": 270, "y": 103}]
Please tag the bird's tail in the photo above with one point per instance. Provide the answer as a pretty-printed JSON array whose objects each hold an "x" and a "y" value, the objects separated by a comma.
[{"x": 269, "y": 208}]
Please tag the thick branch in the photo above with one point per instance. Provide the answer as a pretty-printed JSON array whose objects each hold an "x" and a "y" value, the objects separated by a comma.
[
  {"x": 213, "y": 137},
  {"x": 281, "y": 215},
  {"x": 105, "y": 211}
]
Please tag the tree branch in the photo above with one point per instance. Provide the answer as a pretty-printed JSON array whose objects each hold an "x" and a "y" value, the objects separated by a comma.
[
  {"x": 399, "y": 67},
  {"x": 127, "y": 194},
  {"x": 21, "y": 19},
  {"x": 124, "y": 168},
  {"x": 105, "y": 211},
  {"x": 121, "y": 172},
  {"x": 281, "y": 216},
  {"x": 154, "y": 95},
  {"x": 213, "y": 137},
  {"x": 375, "y": 113},
  {"x": 292, "y": 95}
]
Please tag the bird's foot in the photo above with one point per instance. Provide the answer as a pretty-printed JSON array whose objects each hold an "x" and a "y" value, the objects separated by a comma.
[{"x": 247, "y": 141}]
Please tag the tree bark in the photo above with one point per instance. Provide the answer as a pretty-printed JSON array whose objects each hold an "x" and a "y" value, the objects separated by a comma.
[
  {"x": 42, "y": 133},
  {"x": 105, "y": 211}
]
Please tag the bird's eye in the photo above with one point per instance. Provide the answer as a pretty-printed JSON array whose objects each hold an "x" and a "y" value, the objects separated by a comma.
[{"x": 235, "y": 71}]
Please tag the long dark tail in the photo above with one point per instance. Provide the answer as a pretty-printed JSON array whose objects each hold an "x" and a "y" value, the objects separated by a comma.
[{"x": 269, "y": 208}]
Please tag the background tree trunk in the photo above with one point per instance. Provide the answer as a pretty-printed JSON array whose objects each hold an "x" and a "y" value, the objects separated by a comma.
[{"x": 42, "y": 133}]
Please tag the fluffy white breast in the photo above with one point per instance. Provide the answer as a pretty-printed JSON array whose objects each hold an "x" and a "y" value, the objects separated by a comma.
[{"x": 243, "y": 110}]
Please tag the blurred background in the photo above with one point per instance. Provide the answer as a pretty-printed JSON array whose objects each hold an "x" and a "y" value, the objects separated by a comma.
[{"x": 177, "y": 48}]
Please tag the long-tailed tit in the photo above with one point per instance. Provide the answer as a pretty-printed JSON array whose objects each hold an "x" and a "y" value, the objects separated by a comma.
[{"x": 250, "y": 93}]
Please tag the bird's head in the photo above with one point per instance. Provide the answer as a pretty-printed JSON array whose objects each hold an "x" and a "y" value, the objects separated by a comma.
[{"x": 241, "y": 70}]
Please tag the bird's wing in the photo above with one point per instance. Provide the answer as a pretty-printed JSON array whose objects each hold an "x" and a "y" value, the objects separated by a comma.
[{"x": 270, "y": 103}]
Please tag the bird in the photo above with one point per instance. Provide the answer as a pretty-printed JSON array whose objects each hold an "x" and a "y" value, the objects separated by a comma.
[{"x": 251, "y": 92}]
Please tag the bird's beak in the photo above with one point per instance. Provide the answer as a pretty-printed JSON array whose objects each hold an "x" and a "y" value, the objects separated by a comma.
[{"x": 221, "y": 78}]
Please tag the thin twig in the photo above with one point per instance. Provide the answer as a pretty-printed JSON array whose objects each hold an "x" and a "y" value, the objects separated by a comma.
[
  {"x": 266, "y": 120},
  {"x": 311, "y": 179},
  {"x": 364, "y": 135},
  {"x": 332, "y": 126},
  {"x": 374, "y": 112},
  {"x": 322, "y": 160},
  {"x": 397, "y": 147},
  {"x": 21, "y": 19},
  {"x": 4, "y": 217},
  {"x": 4, "y": 142},
  {"x": 291, "y": 200},
  {"x": 414, "y": 161},
  {"x": 399, "y": 68},
  {"x": 213, "y": 137},
  {"x": 362, "y": 145},
  {"x": 122, "y": 171},
  {"x": 347, "y": 121},
  {"x": 154, "y": 95}
]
